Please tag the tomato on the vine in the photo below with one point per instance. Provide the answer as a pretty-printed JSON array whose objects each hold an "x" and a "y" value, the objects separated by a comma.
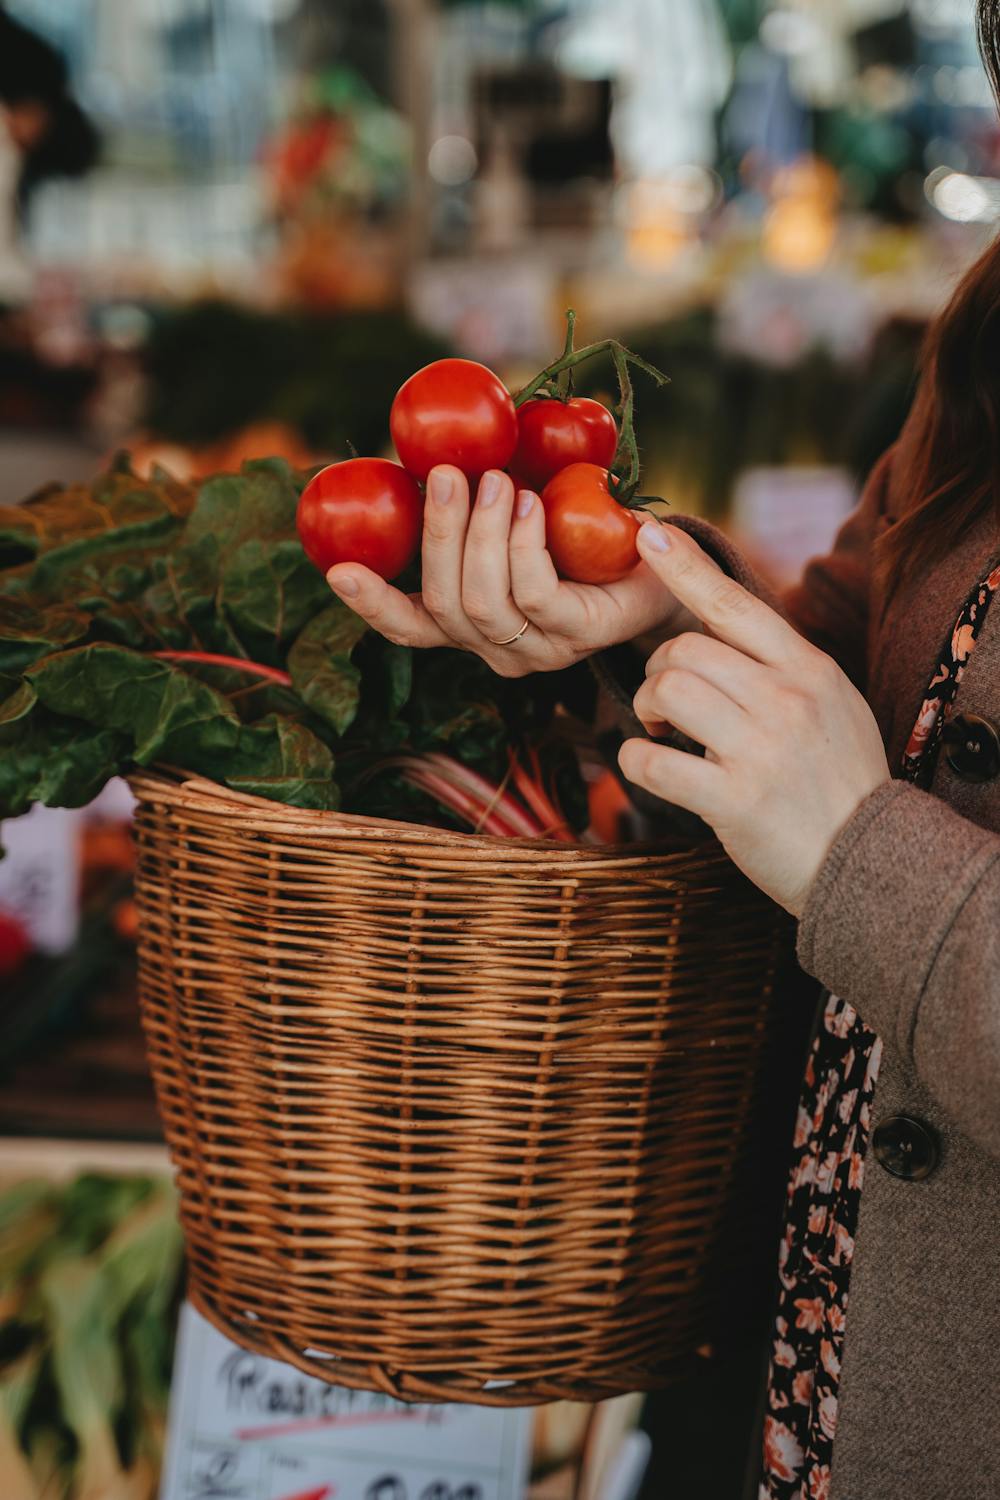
[
  {"x": 553, "y": 434},
  {"x": 364, "y": 510},
  {"x": 453, "y": 412},
  {"x": 589, "y": 536}
]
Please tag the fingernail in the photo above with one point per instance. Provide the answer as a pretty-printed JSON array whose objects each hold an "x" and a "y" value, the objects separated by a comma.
[
  {"x": 345, "y": 585},
  {"x": 525, "y": 501},
  {"x": 489, "y": 489},
  {"x": 442, "y": 486},
  {"x": 655, "y": 537}
]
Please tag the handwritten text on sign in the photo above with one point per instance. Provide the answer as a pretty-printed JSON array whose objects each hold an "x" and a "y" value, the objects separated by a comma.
[{"x": 247, "y": 1428}]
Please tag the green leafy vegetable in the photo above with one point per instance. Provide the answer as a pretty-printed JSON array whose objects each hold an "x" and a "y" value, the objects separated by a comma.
[
  {"x": 238, "y": 573},
  {"x": 322, "y": 670},
  {"x": 116, "y": 511},
  {"x": 281, "y": 759},
  {"x": 45, "y": 757},
  {"x": 167, "y": 714},
  {"x": 27, "y": 632},
  {"x": 127, "y": 614}
]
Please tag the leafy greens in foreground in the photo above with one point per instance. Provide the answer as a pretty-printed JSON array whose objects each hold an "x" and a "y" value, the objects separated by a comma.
[{"x": 144, "y": 623}]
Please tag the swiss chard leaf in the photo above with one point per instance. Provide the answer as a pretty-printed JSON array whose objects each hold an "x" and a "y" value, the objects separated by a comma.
[
  {"x": 67, "y": 528},
  {"x": 270, "y": 590},
  {"x": 321, "y": 668},
  {"x": 398, "y": 676},
  {"x": 454, "y": 707},
  {"x": 28, "y": 632},
  {"x": 391, "y": 669},
  {"x": 281, "y": 759},
  {"x": 18, "y": 705},
  {"x": 98, "y": 709},
  {"x": 45, "y": 758},
  {"x": 166, "y": 714},
  {"x": 181, "y": 604},
  {"x": 239, "y": 573}
]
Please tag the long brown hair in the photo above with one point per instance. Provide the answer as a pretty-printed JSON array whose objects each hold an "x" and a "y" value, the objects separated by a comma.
[{"x": 952, "y": 465}]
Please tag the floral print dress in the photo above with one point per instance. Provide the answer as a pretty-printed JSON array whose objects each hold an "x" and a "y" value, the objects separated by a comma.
[{"x": 828, "y": 1167}]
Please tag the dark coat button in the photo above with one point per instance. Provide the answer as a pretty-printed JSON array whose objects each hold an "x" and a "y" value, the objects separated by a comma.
[
  {"x": 972, "y": 747},
  {"x": 906, "y": 1148}
]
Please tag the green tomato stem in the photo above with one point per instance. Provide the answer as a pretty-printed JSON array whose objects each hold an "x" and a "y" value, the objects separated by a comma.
[
  {"x": 556, "y": 380},
  {"x": 565, "y": 383},
  {"x": 625, "y": 467}
]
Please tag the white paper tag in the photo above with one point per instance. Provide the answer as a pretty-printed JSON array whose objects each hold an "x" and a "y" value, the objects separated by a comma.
[
  {"x": 247, "y": 1428},
  {"x": 40, "y": 876}
]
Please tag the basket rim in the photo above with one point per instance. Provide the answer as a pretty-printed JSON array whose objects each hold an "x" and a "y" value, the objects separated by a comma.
[{"x": 198, "y": 794}]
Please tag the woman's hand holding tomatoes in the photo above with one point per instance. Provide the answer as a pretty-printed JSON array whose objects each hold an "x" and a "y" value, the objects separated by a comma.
[
  {"x": 543, "y": 569},
  {"x": 487, "y": 573}
]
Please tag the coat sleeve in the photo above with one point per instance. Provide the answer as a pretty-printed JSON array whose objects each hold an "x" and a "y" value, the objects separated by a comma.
[
  {"x": 902, "y": 922},
  {"x": 831, "y": 606}
]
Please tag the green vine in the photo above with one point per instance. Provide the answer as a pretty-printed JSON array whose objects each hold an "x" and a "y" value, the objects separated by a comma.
[{"x": 555, "y": 382}]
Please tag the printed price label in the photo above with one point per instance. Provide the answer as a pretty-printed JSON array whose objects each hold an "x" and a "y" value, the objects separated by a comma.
[{"x": 247, "y": 1428}]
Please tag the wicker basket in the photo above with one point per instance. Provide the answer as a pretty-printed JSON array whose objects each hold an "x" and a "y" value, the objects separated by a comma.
[{"x": 460, "y": 1118}]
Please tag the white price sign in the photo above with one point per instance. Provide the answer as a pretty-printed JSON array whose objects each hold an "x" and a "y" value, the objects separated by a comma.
[{"x": 247, "y": 1428}]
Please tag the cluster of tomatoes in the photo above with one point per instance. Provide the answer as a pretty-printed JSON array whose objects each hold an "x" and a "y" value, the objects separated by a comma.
[{"x": 454, "y": 411}]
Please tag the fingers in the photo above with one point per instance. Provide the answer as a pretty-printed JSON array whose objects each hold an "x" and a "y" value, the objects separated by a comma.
[
  {"x": 486, "y": 599},
  {"x": 730, "y": 611},
  {"x": 446, "y": 520},
  {"x": 534, "y": 581},
  {"x": 399, "y": 617},
  {"x": 696, "y": 707},
  {"x": 742, "y": 679},
  {"x": 684, "y": 780}
]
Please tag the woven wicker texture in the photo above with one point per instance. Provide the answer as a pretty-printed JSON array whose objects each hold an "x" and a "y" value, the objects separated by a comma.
[{"x": 457, "y": 1118}]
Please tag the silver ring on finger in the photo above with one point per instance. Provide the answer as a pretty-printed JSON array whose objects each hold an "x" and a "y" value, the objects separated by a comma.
[{"x": 511, "y": 639}]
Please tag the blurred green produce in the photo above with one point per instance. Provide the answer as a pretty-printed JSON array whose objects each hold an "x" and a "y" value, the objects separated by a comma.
[
  {"x": 215, "y": 368},
  {"x": 90, "y": 1278}
]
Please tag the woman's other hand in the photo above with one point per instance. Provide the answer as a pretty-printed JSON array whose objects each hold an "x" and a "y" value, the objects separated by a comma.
[
  {"x": 792, "y": 748},
  {"x": 486, "y": 574}
]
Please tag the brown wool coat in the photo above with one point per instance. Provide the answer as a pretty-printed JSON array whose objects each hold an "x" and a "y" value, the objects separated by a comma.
[{"x": 904, "y": 922}]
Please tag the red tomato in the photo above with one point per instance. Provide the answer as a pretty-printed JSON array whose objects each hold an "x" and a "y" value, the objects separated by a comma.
[
  {"x": 364, "y": 510},
  {"x": 15, "y": 945},
  {"x": 590, "y": 537},
  {"x": 553, "y": 434},
  {"x": 453, "y": 412}
]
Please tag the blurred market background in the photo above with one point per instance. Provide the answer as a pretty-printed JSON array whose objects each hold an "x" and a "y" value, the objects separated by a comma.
[{"x": 278, "y": 210}]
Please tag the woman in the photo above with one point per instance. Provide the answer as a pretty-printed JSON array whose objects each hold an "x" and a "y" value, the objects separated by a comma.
[{"x": 877, "y": 824}]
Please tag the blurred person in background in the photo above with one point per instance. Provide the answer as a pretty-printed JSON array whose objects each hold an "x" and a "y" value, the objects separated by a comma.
[
  {"x": 43, "y": 133},
  {"x": 852, "y": 771}
]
